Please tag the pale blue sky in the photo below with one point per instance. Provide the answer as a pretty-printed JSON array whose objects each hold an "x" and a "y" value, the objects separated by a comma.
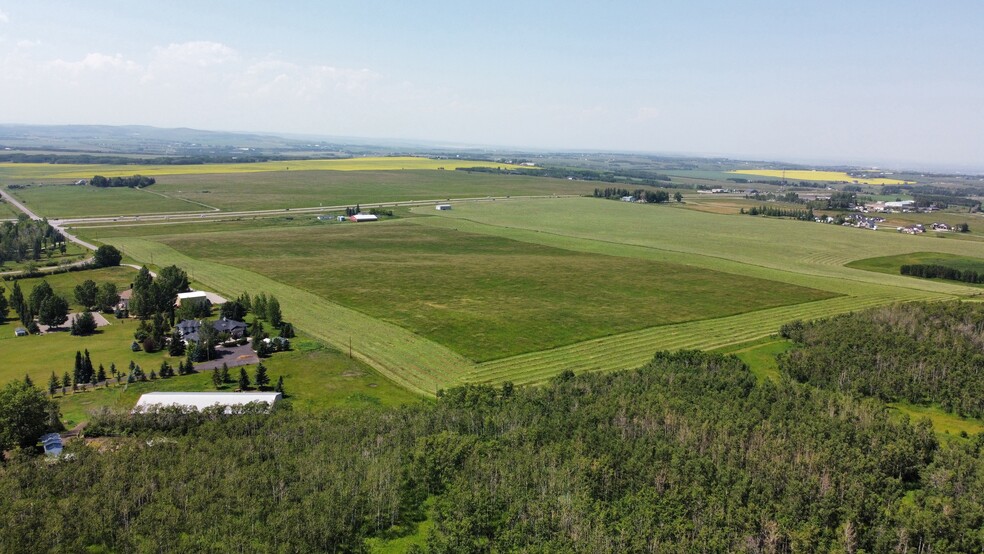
[{"x": 865, "y": 82}]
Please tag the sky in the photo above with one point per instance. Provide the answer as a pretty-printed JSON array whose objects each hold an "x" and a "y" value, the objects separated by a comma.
[{"x": 889, "y": 83}]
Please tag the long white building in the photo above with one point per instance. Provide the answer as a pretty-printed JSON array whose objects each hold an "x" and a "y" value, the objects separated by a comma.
[{"x": 202, "y": 400}]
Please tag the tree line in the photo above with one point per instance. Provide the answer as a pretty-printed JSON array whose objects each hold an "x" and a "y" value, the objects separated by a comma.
[
  {"x": 936, "y": 271},
  {"x": 131, "y": 182},
  {"x": 648, "y": 196},
  {"x": 28, "y": 239},
  {"x": 774, "y": 211},
  {"x": 915, "y": 352},
  {"x": 688, "y": 453}
]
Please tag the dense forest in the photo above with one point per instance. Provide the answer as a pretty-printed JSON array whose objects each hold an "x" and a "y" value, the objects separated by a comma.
[
  {"x": 686, "y": 454},
  {"x": 935, "y": 271},
  {"x": 27, "y": 239},
  {"x": 918, "y": 352}
]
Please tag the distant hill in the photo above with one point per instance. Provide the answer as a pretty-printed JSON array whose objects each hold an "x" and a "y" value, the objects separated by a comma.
[{"x": 145, "y": 140}]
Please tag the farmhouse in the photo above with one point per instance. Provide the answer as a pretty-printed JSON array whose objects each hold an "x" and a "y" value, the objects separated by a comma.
[
  {"x": 359, "y": 218},
  {"x": 442, "y": 207},
  {"x": 188, "y": 328},
  {"x": 191, "y": 297},
  {"x": 202, "y": 400}
]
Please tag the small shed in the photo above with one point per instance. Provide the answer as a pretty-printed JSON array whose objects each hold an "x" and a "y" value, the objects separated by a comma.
[
  {"x": 442, "y": 207},
  {"x": 20, "y": 332},
  {"x": 360, "y": 218},
  {"x": 52, "y": 444}
]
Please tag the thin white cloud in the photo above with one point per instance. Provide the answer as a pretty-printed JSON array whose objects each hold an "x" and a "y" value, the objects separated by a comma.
[
  {"x": 3, "y": 17},
  {"x": 200, "y": 53},
  {"x": 95, "y": 61}
]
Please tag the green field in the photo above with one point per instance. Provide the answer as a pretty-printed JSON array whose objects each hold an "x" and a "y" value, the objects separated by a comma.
[
  {"x": 59, "y": 201},
  {"x": 487, "y": 297},
  {"x": 64, "y": 283},
  {"x": 295, "y": 189},
  {"x": 891, "y": 264},
  {"x": 422, "y": 297}
]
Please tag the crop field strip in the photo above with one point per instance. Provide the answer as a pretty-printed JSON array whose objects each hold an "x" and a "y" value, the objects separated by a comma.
[
  {"x": 412, "y": 361},
  {"x": 810, "y": 175},
  {"x": 32, "y": 172},
  {"x": 633, "y": 349}
]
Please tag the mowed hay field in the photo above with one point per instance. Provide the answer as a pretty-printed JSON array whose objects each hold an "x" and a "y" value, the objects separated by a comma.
[
  {"x": 807, "y": 255},
  {"x": 290, "y": 189},
  {"x": 487, "y": 297},
  {"x": 59, "y": 201},
  {"x": 34, "y": 172},
  {"x": 815, "y": 175}
]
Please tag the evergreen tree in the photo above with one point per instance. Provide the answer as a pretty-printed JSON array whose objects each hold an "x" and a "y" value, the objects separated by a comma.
[
  {"x": 176, "y": 347},
  {"x": 259, "y": 305},
  {"x": 53, "y": 311},
  {"x": 217, "y": 379},
  {"x": 261, "y": 379},
  {"x": 53, "y": 384},
  {"x": 66, "y": 382},
  {"x": 77, "y": 373},
  {"x": 280, "y": 385},
  {"x": 17, "y": 300},
  {"x": 87, "y": 367},
  {"x": 273, "y": 314},
  {"x": 101, "y": 374},
  {"x": 287, "y": 331},
  {"x": 224, "y": 373},
  {"x": 28, "y": 381},
  {"x": 243, "y": 379},
  {"x": 4, "y": 307}
]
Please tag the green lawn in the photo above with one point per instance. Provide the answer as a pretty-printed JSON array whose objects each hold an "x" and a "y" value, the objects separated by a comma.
[
  {"x": 487, "y": 297},
  {"x": 64, "y": 283},
  {"x": 315, "y": 378},
  {"x": 761, "y": 357},
  {"x": 60, "y": 201},
  {"x": 73, "y": 253}
]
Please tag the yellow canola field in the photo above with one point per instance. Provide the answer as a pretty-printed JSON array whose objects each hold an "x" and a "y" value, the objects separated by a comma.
[
  {"x": 814, "y": 175},
  {"x": 26, "y": 171}
]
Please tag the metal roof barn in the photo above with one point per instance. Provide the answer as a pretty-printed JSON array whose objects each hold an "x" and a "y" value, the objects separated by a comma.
[{"x": 202, "y": 400}]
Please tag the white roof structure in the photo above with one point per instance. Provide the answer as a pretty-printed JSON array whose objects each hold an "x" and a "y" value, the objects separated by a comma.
[
  {"x": 202, "y": 400},
  {"x": 363, "y": 217},
  {"x": 192, "y": 294}
]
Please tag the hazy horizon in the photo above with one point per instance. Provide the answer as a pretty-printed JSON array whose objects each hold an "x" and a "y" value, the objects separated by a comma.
[{"x": 889, "y": 84}]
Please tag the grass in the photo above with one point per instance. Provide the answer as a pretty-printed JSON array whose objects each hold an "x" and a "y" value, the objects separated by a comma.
[
  {"x": 295, "y": 189},
  {"x": 761, "y": 357},
  {"x": 796, "y": 253},
  {"x": 891, "y": 264},
  {"x": 315, "y": 378},
  {"x": 73, "y": 253},
  {"x": 814, "y": 175},
  {"x": 487, "y": 297},
  {"x": 943, "y": 421},
  {"x": 33, "y": 172},
  {"x": 60, "y": 201},
  {"x": 64, "y": 283}
]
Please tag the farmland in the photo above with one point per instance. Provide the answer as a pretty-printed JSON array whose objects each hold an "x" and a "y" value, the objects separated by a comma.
[
  {"x": 815, "y": 175},
  {"x": 488, "y": 297},
  {"x": 891, "y": 264},
  {"x": 57, "y": 201},
  {"x": 34, "y": 172},
  {"x": 441, "y": 299}
]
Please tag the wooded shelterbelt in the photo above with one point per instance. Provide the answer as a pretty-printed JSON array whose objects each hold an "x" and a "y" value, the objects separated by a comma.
[
  {"x": 919, "y": 352},
  {"x": 688, "y": 453},
  {"x": 27, "y": 239}
]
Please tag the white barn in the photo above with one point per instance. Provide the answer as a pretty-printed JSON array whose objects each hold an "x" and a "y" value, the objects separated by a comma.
[
  {"x": 442, "y": 207},
  {"x": 202, "y": 400}
]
